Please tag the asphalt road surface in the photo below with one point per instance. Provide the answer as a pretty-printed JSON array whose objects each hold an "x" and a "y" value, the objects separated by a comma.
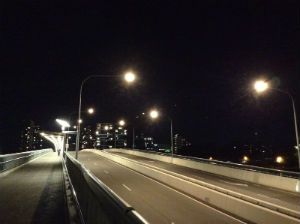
[
  {"x": 34, "y": 193},
  {"x": 156, "y": 202},
  {"x": 278, "y": 197}
]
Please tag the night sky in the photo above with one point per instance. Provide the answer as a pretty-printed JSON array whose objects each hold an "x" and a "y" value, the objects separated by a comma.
[{"x": 195, "y": 61}]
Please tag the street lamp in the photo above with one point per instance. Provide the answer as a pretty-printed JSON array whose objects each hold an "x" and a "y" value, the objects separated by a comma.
[
  {"x": 121, "y": 122},
  {"x": 154, "y": 114},
  {"x": 64, "y": 124},
  {"x": 261, "y": 86},
  {"x": 129, "y": 77},
  {"x": 91, "y": 110}
]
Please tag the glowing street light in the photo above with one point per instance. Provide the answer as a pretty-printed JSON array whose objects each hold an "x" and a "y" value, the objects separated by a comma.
[
  {"x": 279, "y": 160},
  {"x": 261, "y": 86},
  {"x": 64, "y": 124},
  {"x": 129, "y": 77},
  {"x": 91, "y": 110},
  {"x": 245, "y": 159},
  {"x": 154, "y": 114},
  {"x": 121, "y": 122}
]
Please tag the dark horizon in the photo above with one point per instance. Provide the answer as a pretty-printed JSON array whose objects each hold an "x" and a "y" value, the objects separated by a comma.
[{"x": 195, "y": 63}]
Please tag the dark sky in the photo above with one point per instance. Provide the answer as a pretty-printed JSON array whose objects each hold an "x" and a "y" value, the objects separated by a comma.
[{"x": 196, "y": 62}]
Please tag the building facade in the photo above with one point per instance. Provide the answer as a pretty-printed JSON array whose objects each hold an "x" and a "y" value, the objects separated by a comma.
[{"x": 30, "y": 137}]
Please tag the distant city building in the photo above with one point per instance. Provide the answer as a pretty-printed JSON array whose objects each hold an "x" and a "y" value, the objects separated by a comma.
[
  {"x": 104, "y": 135},
  {"x": 30, "y": 137},
  {"x": 145, "y": 142},
  {"x": 87, "y": 138},
  {"x": 109, "y": 136},
  {"x": 180, "y": 143},
  {"x": 120, "y": 137}
]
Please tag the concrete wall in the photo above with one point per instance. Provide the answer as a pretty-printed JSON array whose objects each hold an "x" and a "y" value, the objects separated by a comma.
[
  {"x": 251, "y": 211},
  {"x": 283, "y": 183},
  {"x": 10, "y": 161}
]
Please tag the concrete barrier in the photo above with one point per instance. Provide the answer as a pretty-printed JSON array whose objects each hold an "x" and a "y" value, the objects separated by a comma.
[
  {"x": 10, "y": 161},
  {"x": 212, "y": 195},
  {"x": 279, "y": 182},
  {"x": 96, "y": 202}
]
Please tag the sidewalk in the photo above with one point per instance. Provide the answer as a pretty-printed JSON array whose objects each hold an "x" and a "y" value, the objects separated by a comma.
[{"x": 34, "y": 193}]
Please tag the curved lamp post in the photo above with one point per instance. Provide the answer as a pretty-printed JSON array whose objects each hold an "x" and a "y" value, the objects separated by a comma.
[
  {"x": 261, "y": 86},
  {"x": 154, "y": 114},
  {"x": 128, "y": 77}
]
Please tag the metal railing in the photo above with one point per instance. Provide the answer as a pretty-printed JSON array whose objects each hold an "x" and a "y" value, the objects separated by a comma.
[
  {"x": 10, "y": 161},
  {"x": 252, "y": 168},
  {"x": 97, "y": 202}
]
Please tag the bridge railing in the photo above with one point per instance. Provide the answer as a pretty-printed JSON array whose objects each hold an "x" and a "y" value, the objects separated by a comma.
[
  {"x": 97, "y": 202},
  {"x": 10, "y": 161},
  {"x": 278, "y": 172}
]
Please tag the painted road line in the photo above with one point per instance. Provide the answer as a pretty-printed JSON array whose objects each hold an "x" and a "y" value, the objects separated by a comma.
[
  {"x": 126, "y": 187},
  {"x": 234, "y": 183}
]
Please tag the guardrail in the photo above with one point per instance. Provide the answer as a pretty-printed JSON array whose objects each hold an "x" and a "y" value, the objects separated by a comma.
[
  {"x": 283, "y": 173},
  {"x": 10, "y": 161},
  {"x": 97, "y": 202}
]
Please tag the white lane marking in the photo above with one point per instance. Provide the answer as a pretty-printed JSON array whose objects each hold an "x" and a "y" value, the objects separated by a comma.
[
  {"x": 105, "y": 171},
  {"x": 151, "y": 161},
  {"x": 126, "y": 187},
  {"x": 262, "y": 195},
  {"x": 172, "y": 222},
  {"x": 173, "y": 189},
  {"x": 233, "y": 183}
]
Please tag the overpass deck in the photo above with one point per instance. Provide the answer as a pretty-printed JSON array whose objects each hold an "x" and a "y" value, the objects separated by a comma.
[
  {"x": 274, "y": 196},
  {"x": 34, "y": 193},
  {"x": 156, "y": 202}
]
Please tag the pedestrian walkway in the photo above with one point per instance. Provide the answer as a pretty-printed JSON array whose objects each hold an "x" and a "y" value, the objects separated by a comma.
[{"x": 34, "y": 193}]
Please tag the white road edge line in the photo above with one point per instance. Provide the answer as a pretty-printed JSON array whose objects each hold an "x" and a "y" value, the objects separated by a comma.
[
  {"x": 126, "y": 187},
  {"x": 233, "y": 183}
]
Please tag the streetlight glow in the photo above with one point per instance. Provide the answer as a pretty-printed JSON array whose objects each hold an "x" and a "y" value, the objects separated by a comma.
[
  {"x": 129, "y": 77},
  {"x": 279, "y": 159},
  {"x": 121, "y": 122},
  {"x": 91, "y": 110},
  {"x": 154, "y": 114},
  {"x": 80, "y": 121},
  {"x": 63, "y": 123},
  {"x": 261, "y": 86},
  {"x": 245, "y": 159}
]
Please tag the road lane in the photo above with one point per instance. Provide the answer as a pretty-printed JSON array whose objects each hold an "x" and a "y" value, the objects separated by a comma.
[
  {"x": 153, "y": 200},
  {"x": 278, "y": 197}
]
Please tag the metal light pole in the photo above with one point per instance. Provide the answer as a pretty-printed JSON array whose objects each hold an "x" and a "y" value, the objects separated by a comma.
[
  {"x": 295, "y": 122},
  {"x": 172, "y": 141},
  {"x": 129, "y": 77},
  {"x": 133, "y": 138},
  {"x": 154, "y": 114},
  {"x": 261, "y": 86}
]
